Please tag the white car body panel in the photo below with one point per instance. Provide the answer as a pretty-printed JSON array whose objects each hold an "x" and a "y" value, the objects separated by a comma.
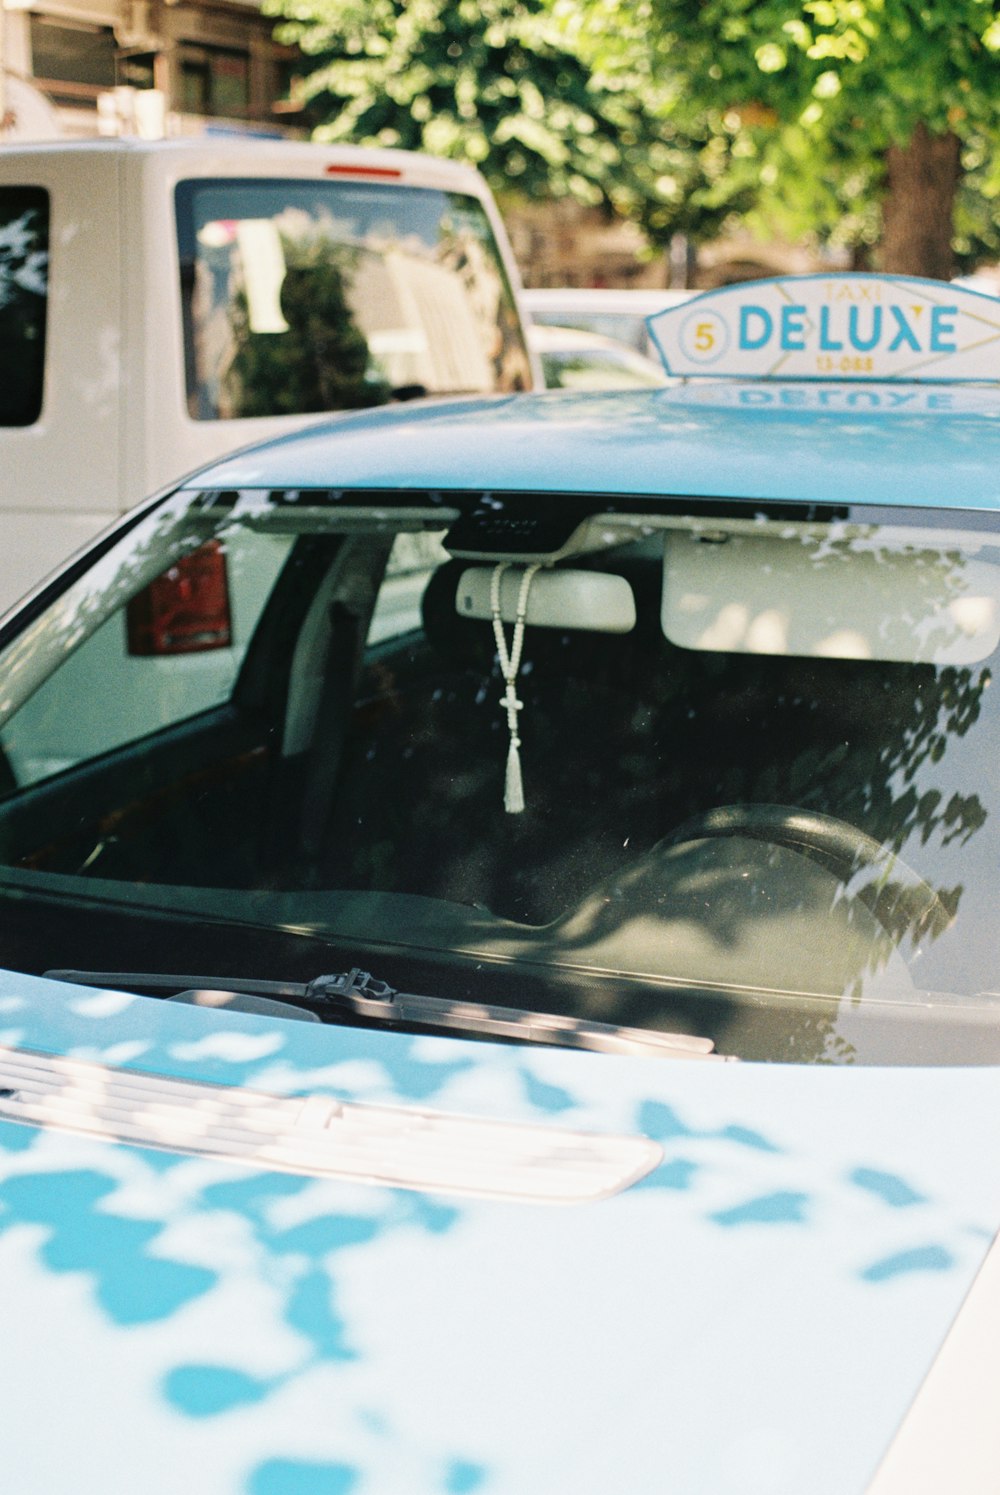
[{"x": 665, "y": 1338}]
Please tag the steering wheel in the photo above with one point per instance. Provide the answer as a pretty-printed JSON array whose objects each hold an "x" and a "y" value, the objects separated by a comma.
[{"x": 900, "y": 898}]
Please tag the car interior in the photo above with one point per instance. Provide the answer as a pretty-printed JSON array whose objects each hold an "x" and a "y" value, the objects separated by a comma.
[{"x": 705, "y": 831}]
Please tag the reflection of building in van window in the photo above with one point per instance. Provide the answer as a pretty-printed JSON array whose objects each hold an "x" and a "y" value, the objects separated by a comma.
[
  {"x": 302, "y": 297},
  {"x": 481, "y": 274},
  {"x": 422, "y": 329}
]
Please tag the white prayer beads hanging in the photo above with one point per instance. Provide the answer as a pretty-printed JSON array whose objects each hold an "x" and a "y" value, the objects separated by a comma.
[{"x": 510, "y": 663}]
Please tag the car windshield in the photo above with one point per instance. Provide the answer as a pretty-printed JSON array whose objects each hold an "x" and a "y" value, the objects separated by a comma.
[
  {"x": 274, "y": 733},
  {"x": 303, "y": 296},
  {"x": 624, "y": 326}
]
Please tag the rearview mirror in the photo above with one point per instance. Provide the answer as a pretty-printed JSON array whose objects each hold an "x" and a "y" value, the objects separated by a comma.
[{"x": 591, "y": 600}]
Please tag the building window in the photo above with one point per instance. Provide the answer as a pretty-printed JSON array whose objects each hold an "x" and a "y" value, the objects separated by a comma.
[
  {"x": 72, "y": 53},
  {"x": 214, "y": 81},
  {"x": 137, "y": 69},
  {"x": 286, "y": 75}
]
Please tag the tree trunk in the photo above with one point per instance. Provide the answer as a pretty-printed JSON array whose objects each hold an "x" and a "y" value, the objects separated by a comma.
[{"x": 921, "y": 180}]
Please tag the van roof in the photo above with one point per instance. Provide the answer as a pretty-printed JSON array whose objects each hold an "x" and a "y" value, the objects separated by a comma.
[{"x": 216, "y": 153}]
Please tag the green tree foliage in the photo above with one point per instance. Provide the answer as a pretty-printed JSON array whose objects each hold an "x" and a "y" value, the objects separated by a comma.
[
  {"x": 868, "y": 124},
  {"x": 836, "y": 105},
  {"x": 321, "y": 362},
  {"x": 502, "y": 85}
]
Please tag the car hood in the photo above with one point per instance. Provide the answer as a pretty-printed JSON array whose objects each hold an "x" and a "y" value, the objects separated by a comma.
[{"x": 753, "y": 1314}]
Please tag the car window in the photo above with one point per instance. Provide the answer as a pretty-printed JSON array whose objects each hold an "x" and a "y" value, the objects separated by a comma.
[
  {"x": 625, "y": 327},
  {"x": 598, "y": 368},
  {"x": 314, "y": 296},
  {"x": 412, "y": 561},
  {"x": 24, "y": 280},
  {"x": 173, "y": 651}
]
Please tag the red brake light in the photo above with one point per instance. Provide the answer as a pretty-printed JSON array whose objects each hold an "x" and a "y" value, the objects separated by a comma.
[
  {"x": 186, "y": 610},
  {"x": 379, "y": 171}
]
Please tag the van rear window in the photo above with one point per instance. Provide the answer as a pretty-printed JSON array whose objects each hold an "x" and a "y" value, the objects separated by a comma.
[
  {"x": 24, "y": 277},
  {"x": 303, "y": 296}
]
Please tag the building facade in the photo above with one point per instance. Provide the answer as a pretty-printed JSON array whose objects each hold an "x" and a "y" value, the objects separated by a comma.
[{"x": 149, "y": 67}]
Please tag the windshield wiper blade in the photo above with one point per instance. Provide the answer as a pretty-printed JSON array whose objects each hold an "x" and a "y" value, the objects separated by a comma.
[{"x": 359, "y": 995}]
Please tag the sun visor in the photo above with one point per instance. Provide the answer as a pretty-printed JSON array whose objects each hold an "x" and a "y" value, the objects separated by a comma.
[{"x": 824, "y": 597}]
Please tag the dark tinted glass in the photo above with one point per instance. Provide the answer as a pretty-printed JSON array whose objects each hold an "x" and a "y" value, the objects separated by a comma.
[
  {"x": 74, "y": 53},
  {"x": 24, "y": 271}
]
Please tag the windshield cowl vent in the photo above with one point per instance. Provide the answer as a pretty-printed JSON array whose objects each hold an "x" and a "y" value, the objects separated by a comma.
[{"x": 396, "y": 1147}]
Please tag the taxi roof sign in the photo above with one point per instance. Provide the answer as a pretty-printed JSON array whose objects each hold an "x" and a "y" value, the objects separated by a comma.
[{"x": 832, "y": 328}]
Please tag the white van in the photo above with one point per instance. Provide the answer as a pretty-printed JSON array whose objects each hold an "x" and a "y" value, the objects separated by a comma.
[{"x": 162, "y": 303}]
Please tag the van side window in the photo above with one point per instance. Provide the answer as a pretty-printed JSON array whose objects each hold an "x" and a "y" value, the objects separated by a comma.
[
  {"x": 303, "y": 297},
  {"x": 24, "y": 277}
]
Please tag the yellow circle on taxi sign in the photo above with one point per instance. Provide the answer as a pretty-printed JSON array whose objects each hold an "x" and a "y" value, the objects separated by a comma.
[{"x": 704, "y": 337}]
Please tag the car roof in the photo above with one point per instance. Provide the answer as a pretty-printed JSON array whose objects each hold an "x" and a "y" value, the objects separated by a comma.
[
  {"x": 603, "y": 299},
  {"x": 546, "y": 337},
  {"x": 923, "y": 445}
]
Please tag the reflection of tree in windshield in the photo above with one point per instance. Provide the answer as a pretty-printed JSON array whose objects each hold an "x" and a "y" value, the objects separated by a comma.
[
  {"x": 847, "y": 738},
  {"x": 321, "y": 362},
  {"x": 679, "y": 734},
  {"x": 858, "y": 731}
]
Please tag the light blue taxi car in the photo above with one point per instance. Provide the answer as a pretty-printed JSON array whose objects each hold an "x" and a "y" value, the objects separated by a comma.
[{"x": 501, "y": 985}]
